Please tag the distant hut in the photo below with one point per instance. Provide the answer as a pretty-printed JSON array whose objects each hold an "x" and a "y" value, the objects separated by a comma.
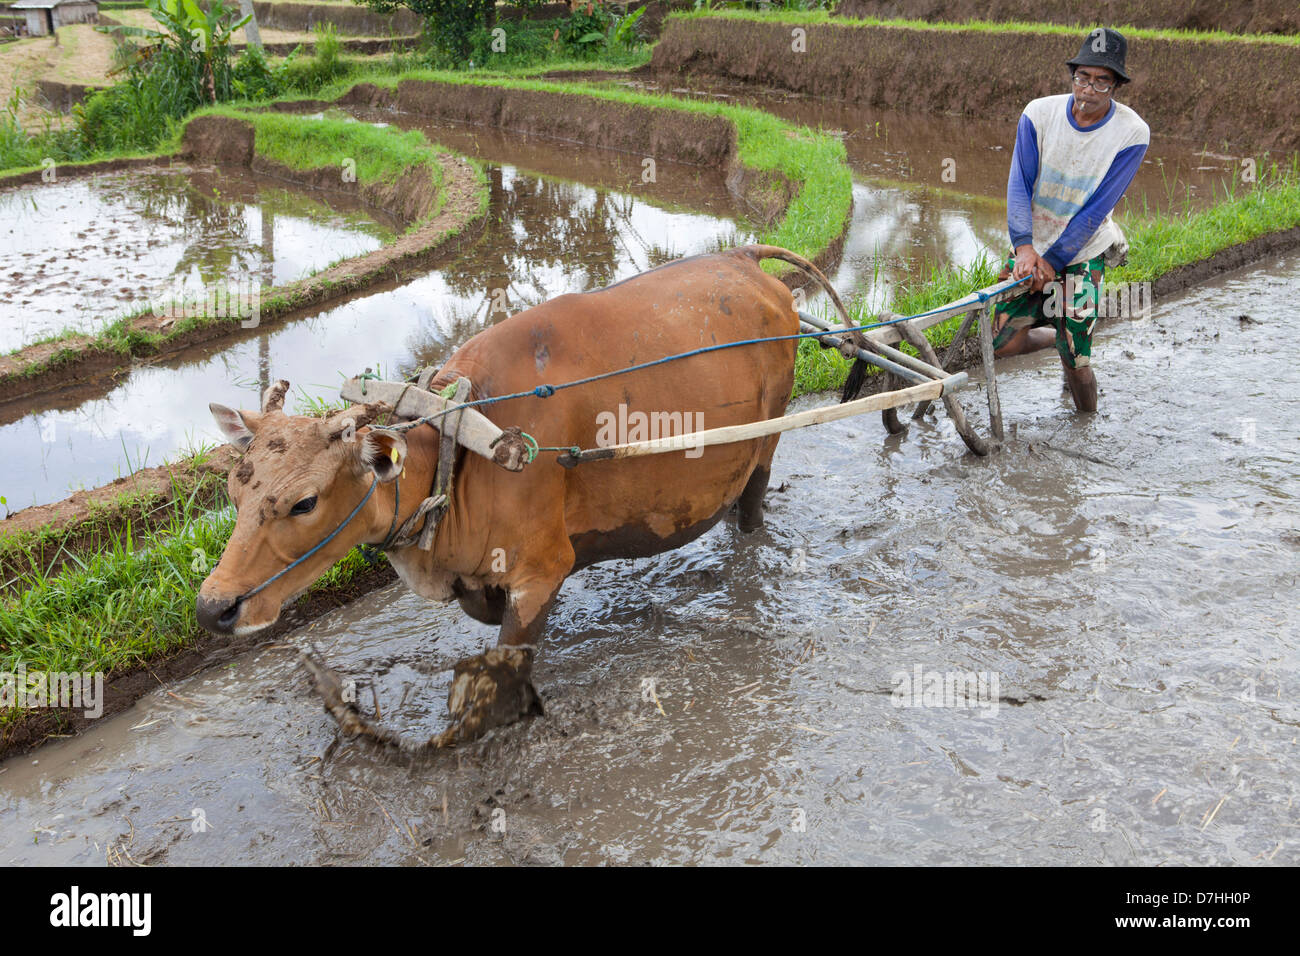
[{"x": 46, "y": 16}]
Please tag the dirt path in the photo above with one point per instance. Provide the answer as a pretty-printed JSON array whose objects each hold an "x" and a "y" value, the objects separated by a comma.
[{"x": 81, "y": 56}]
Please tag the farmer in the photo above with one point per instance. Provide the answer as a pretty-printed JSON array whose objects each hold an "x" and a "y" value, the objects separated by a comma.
[{"x": 1075, "y": 155}]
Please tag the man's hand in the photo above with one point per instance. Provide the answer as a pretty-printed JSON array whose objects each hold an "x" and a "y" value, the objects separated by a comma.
[{"x": 1030, "y": 263}]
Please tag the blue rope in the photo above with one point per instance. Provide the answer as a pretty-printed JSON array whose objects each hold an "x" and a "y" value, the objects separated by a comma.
[{"x": 546, "y": 391}]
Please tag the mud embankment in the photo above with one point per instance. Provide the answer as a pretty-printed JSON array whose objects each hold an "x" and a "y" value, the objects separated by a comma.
[
  {"x": 680, "y": 136},
  {"x": 62, "y": 97},
  {"x": 223, "y": 140},
  {"x": 1239, "y": 16},
  {"x": 1236, "y": 92}
]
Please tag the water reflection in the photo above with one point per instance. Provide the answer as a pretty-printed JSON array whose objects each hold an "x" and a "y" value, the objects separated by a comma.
[
  {"x": 544, "y": 238},
  {"x": 81, "y": 252}
]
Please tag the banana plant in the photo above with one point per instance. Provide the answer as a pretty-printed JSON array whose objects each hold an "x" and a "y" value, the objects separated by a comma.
[{"x": 194, "y": 45}]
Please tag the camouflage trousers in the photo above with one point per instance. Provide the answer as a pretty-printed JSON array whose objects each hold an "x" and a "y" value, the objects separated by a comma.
[{"x": 1068, "y": 305}]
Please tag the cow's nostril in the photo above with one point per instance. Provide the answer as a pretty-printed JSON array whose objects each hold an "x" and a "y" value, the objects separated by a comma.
[
  {"x": 227, "y": 619},
  {"x": 217, "y": 615}
]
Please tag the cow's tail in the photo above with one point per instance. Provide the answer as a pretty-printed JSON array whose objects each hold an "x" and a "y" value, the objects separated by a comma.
[{"x": 858, "y": 373}]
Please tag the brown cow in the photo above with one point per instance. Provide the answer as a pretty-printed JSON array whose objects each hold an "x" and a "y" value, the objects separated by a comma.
[{"x": 510, "y": 539}]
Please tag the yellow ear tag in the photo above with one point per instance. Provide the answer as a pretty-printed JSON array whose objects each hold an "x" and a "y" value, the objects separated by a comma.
[{"x": 393, "y": 455}]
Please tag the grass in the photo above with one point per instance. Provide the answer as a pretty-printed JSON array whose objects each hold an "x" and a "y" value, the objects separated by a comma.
[
  {"x": 126, "y": 605},
  {"x": 104, "y": 521},
  {"x": 1159, "y": 244},
  {"x": 625, "y": 63},
  {"x": 821, "y": 17},
  {"x": 379, "y": 154}
]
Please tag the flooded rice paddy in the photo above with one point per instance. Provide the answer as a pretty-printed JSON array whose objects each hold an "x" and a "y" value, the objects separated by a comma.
[
  {"x": 1121, "y": 585},
  {"x": 545, "y": 236},
  {"x": 81, "y": 252}
]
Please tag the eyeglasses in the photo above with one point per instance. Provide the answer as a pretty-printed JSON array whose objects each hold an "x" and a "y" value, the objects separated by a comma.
[{"x": 1097, "y": 84}]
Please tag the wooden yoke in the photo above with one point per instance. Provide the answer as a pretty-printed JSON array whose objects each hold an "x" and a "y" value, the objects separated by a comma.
[{"x": 505, "y": 447}]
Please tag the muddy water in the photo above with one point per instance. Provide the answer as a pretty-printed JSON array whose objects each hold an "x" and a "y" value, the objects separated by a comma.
[
  {"x": 81, "y": 252},
  {"x": 1138, "y": 612},
  {"x": 546, "y": 236}
]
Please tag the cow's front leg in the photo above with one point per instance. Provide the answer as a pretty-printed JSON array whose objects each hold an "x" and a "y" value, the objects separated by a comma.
[
  {"x": 496, "y": 688},
  {"x": 490, "y": 690}
]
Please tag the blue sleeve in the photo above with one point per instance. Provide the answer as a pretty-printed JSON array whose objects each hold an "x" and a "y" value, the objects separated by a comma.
[
  {"x": 1085, "y": 223},
  {"x": 1020, "y": 184}
]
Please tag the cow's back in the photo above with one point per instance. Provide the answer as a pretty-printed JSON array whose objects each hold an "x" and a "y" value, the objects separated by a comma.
[{"x": 634, "y": 506}]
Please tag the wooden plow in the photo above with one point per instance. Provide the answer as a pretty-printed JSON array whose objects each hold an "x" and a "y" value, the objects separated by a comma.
[{"x": 925, "y": 377}]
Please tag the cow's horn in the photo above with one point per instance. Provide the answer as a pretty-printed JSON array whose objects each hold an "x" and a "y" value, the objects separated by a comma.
[{"x": 273, "y": 397}]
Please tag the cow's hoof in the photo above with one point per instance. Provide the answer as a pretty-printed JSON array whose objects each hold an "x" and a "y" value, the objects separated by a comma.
[{"x": 490, "y": 690}]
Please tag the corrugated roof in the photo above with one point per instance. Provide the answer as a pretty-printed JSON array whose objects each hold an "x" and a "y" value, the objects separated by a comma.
[{"x": 45, "y": 4}]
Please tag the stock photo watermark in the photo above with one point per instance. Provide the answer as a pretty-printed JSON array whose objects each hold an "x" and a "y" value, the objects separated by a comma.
[
  {"x": 623, "y": 427},
  {"x": 23, "y": 688},
  {"x": 971, "y": 690}
]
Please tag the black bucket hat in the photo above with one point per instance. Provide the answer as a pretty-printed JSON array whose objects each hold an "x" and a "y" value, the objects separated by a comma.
[{"x": 1103, "y": 47}]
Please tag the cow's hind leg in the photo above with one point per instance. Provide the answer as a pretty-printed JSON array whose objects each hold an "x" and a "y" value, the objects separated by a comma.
[{"x": 750, "y": 504}]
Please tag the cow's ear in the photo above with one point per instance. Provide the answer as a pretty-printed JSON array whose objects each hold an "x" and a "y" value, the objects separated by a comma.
[
  {"x": 384, "y": 453},
  {"x": 237, "y": 427}
]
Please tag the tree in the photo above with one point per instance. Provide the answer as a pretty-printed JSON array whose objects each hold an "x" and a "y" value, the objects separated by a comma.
[{"x": 450, "y": 23}]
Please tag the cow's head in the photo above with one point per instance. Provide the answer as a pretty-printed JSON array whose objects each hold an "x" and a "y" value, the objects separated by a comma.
[{"x": 297, "y": 481}]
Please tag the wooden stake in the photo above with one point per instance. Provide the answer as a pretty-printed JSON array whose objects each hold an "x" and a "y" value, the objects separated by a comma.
[{"x": 990, "y": 374}]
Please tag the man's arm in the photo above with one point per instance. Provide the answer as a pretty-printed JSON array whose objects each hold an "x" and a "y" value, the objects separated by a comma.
[
  {"x": 1085, "y": 223},
  {"x": 1020, "y": 184},
  {"x": 1020, "y": 199}
]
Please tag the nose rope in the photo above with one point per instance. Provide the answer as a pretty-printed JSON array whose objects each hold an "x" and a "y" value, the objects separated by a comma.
[{"x": 326, "y": 540}]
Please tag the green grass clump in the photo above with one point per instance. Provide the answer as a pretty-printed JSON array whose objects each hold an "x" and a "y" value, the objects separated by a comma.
[
  {"x": 1160, "y": 244},
  {"x": 379, "y": 154}
]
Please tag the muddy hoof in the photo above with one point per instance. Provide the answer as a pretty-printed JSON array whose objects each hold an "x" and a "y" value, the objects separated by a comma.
[{"x": 491, "y": 690}]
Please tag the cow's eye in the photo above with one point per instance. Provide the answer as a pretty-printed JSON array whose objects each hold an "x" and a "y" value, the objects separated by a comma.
[{"x": 303, "y": 507}]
